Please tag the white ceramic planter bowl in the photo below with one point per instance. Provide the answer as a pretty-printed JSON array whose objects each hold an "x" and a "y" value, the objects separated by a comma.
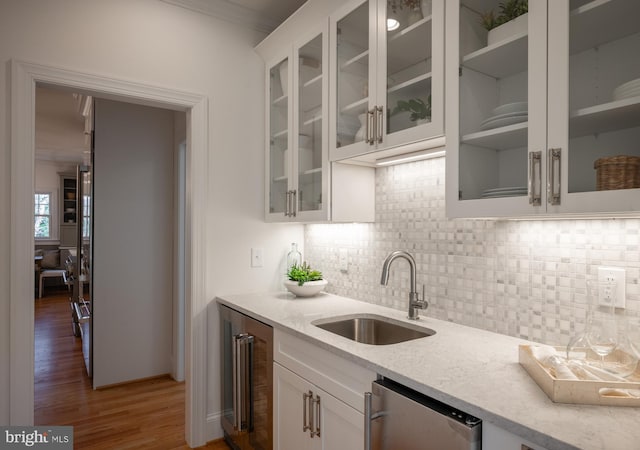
[
  {"x": 516, "y": 26},
  {"x": 308, "y": 289}
]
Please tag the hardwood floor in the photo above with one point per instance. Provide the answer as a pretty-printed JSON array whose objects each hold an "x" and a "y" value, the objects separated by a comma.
[{"x": 147, "y": 414}]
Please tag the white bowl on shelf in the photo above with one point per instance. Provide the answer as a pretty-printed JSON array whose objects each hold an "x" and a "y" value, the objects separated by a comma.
[
  {"x": 627, "y": 90},
  {"x": 308, "y": 289},
  {"x": 508, "y": 108}
]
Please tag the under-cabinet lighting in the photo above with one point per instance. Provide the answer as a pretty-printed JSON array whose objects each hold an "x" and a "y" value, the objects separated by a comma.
[
  {"x": 415, "y": 156},
  {"x": 392, "y": 24}
]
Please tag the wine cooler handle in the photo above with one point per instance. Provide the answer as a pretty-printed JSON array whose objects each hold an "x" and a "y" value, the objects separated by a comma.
[{"x": 242, "y": 349}]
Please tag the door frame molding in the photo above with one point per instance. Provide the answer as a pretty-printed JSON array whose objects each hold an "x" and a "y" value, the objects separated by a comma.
[{"x": 24, "y": 77}]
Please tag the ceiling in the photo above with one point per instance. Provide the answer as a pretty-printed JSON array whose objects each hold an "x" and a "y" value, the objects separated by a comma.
[
  {"x": 260, "y": 15},
  {"x": 61, "y": 125}
]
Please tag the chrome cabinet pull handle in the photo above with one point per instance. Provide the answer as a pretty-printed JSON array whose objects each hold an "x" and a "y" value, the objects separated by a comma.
[
  {"x": 310, "y": 406},
  {"x": 318, "y": 415},
  {"x": 553, "y": 161},
  {"x": 286, "y": 203},
  {"x": 535, "y": 195},
  {"x": 370, "y": 127},
  {"x": 294, "y": 203},
  {"x": 305, "y": 423},
  {"x": 379, "y": 123}
]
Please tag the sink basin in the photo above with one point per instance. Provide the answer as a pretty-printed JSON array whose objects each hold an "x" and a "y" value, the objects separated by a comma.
[{"x": 372, "y": 329}]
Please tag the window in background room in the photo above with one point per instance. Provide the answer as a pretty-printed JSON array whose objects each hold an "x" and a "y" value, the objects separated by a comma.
[{"x": 42, "y": 217}]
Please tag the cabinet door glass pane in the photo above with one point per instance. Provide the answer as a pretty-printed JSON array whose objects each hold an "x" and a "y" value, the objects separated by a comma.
[
  {"x": 278, "y": 136},
  {"x": 604, "y": 95},
  {"x": 310, "y": 82},
  {"x": 408, "y": 85},
  {"x": 352, "y": 76},
  {"x": 493, "y": 103}
]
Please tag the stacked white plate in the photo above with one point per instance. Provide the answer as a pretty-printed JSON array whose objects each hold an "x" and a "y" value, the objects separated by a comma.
[
  {"x": 506, "y": 114},
  {"x": 515, "y": 191},
  {"x": 627, "y": 90}
]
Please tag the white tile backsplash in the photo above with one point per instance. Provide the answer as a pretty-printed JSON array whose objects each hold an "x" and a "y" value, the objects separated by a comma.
[{"x": 520, "y": 278}]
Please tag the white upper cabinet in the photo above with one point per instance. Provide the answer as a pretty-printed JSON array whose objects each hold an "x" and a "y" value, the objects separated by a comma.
[
  {"x": 386, "y": 83},
  {"x": 301, "y": 184},
  {"x": 535, "y": 104},
  {"x": 297, "y": 151}
]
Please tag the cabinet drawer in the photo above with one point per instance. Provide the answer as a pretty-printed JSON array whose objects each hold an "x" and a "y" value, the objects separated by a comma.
[{"x": 339, "y": 377}]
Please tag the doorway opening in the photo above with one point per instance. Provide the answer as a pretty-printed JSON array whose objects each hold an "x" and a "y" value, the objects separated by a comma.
[{"x": 25, "y": 77}]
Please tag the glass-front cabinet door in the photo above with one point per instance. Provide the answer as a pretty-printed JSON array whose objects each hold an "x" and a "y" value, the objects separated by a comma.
[
  {"x": 496, "y": 125},
  {"x": 351, "y": 105},
  {"x": 594, "y": 104},
  {"x": 388, "y": 75},
  {"x": 546, "y": 110},
  {"x": 410, "y": 52},
  {"x": 311, "y": 155},
  {"x": 279, "y": 140},
  {"x": 297, "y": 157}
]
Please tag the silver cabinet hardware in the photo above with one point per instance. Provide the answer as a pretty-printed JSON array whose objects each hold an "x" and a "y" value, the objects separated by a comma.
[
  {"x": 311, "y": 413},
  {"x": 306, "y": 399},
  {"x": 553, "y": 187},
  {"x": 370, "y": 127},
  {"x": 294, "y": 204},
  {"x": 535, "y": 178},
  {"x": 290, "y": 203},
  {"x": 242, "y": 348},
  {"x": 379, "y": 123},
  {"x": 316, "y": 415}
]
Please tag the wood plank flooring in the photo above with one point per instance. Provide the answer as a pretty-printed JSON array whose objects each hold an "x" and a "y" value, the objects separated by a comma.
[{"x": 142, "y": 415}]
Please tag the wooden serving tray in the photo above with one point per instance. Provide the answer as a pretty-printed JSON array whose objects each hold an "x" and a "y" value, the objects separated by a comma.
[{"x": 586, "y": 392}]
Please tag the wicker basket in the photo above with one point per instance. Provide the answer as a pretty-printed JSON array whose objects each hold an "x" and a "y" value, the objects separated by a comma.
[{"x": 617, "y": 172}]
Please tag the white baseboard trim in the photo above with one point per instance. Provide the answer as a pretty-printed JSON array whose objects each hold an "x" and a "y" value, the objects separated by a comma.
[{"x": 213, "y": 429}]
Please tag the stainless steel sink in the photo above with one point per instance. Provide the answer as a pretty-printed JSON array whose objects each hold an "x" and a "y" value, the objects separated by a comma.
[{"x": 372, "y": 329}]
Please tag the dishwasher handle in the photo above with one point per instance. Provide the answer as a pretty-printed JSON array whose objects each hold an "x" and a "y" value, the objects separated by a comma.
[{"x": 367, "y": 421}]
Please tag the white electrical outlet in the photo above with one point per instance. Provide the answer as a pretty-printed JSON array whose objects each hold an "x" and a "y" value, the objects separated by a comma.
[
  {"x": 343, "y": 262},
  {"x": 256, "y": 257},
  {"x": 616, "y": 275}
]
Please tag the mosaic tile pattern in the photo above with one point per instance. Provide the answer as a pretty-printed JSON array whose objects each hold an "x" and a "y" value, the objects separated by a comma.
[{"x": 521, "y": 278}]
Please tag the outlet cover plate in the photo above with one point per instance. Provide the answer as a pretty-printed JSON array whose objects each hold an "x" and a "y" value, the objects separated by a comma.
[
  {"x": 257, "y": 255},
  {"x": 616, "y": 274}
]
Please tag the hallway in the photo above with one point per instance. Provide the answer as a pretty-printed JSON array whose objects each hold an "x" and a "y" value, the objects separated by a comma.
[{"x": 147, "y": 414}]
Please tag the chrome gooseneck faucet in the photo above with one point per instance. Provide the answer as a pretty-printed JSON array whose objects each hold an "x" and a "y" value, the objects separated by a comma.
[{"x": 414, "y": 298}]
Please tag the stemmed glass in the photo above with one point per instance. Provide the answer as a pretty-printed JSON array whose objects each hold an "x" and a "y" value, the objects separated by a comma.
[{"x": 602, "y": 329}]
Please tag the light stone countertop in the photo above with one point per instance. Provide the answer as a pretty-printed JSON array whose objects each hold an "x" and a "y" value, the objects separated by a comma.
[{"x": 471, "y": 369}]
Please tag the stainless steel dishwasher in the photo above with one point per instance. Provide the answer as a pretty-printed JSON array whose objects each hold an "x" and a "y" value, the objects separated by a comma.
[{"x": 399, "y": 418}]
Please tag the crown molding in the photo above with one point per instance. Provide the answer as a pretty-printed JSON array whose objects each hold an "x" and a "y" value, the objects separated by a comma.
[{"x": 229, "y": 12}]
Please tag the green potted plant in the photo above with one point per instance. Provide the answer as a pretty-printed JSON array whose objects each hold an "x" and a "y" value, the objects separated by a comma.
[
  {"x": 303, "y": 281},
  {"x": 419, "y": 110},
  {"x": 503, "y": 24}
]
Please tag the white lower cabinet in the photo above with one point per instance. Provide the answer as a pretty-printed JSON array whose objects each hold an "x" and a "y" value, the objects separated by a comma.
[
  {"x": 307, "y": 417},
  {"x": 494, "y": 438},
  {"x": 318, "y": 397}
]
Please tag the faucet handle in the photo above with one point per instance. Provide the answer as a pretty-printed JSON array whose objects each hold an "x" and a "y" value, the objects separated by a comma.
[{"x": 422, "y": 303}]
